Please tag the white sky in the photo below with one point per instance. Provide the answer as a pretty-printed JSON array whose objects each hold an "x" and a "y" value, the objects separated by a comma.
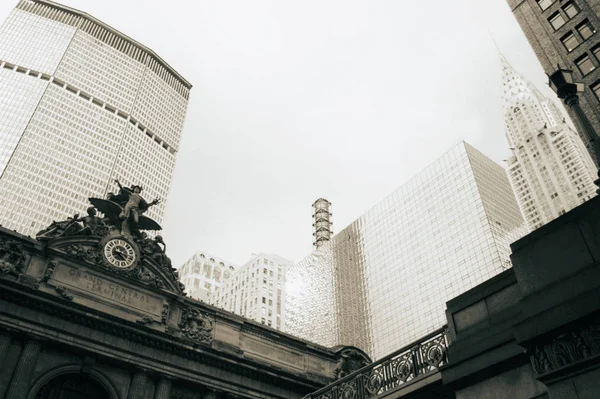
[{"x": 295, "y": 100}]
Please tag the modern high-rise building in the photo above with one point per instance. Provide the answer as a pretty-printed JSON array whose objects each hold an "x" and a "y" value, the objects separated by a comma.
[
  {"x": 383, "y": 281},
  {"x": 549, "y": 169},
  {"x": 256, "y": 290},
  {"x": 203, "y": 273},
  {"x": 563, "y": 33},
  {"x": 80, "y": 105}
]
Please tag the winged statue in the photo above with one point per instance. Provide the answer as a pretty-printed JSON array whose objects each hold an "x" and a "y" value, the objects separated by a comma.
[{"x": 126, "y": 209}]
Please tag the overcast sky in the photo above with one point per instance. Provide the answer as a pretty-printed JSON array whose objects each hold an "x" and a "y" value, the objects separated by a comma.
[{"x": 296, "y": 100}]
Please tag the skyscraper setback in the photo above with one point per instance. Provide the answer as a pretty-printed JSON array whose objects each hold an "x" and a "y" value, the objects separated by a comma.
[
  {"x": 383, "y": 281},
  {"x": 256, "y": 290},
  {"x": 81, "y": 104},
  {"x": 203, "y": 273},
  {"x": 550, "y": 169}
]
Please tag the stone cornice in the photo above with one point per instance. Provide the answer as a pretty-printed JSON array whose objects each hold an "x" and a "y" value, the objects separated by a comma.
[{"x": 81, "y": 315}]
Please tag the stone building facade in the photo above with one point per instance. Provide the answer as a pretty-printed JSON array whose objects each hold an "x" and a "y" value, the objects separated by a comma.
[{"x": 91, "y": 310}]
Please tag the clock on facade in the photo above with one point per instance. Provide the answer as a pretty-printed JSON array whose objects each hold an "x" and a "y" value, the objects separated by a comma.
[{"x": 119, "y": 253}]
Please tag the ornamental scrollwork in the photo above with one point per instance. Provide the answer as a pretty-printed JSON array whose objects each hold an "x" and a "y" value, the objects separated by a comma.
[
  {"x": 12, "y": 257},
  {"x": 433, "y": 353},
  {"x": 165, "y": 313},
  {"x": 145, "y": 320},
  {"x": 349, "y": 362},
  {"x": 374, "y": 379},
  {"x": 83, "y": 252},
  {"x": 47, "y": 274},
  {"x": 63, "y": 293},
  {"x": 566, "y": 348},
  {"x": 197, "y": 326}
]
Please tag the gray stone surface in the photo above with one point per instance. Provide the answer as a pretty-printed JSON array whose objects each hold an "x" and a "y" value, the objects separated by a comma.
[{"x": 532, "y": 331}]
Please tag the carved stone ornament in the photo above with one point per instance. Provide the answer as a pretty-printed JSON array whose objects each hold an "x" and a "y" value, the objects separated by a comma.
[
  {"x": 47, "y": 274},
  {"x": 350, "y": 361},
  {"x": 64, "y": 293},
  {"x": 197, "y": 326},
  {"x": 145, "y": 320},
  {"x": 12, "y": 257},
  {"x": 82, "y": 252},
  {"x": 566, "y": 348},
  {"x": 165, "y": 313}
]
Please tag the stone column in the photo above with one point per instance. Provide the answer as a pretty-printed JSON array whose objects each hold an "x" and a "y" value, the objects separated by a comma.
[
  {"x": 19, "y": 385},
  {"x": 163, "y": 388},
  {"x": 137, "y": 388},
  {"x": 5, "y": 341}
]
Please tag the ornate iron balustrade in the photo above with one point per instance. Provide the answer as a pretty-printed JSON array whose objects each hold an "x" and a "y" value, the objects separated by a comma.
[{"x": 421, "y": 357}]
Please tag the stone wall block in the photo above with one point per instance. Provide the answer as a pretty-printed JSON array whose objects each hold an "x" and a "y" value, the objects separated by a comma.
[{"x": 544, "y": 261}]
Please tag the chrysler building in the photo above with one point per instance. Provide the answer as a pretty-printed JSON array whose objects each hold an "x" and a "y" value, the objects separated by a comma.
[{"x": 550, "y": 169}]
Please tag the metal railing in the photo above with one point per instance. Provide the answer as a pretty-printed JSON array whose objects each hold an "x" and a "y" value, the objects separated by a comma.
[{"x": 421, "y": 357}]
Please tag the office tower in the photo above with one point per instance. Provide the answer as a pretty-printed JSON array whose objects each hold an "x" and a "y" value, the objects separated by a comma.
[
  {"x": 562, "y": 33},
  {"x": 383, "y": 281},
  {"x": 256, "y": 290},
  {"x": 203, "y": 273},
  {"x": 322, "y": 225},
  {"x": 550, "y": 169},
  {"x": 80, "y": 105}
]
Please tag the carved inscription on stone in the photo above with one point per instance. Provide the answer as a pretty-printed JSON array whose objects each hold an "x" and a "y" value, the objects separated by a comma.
[{"x": 107, "y": 290}]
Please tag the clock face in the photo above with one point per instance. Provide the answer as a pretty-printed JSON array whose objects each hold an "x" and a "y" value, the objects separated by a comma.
[{"x": 119, "y": 253}]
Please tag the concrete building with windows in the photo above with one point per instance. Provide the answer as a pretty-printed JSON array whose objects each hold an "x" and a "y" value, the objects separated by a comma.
[
  {"x": 203, "y": 273},
  {"x": 550, "y": 169},
  {"x": 256, "y": 290},
  {"x": 564, "y": 33},
  {"x": 383, "y": 281},
  {"x": 80, "y": 105}
]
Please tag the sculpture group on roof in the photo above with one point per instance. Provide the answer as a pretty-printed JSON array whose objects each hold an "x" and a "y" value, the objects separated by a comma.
[{"x": 122, "y": 214}]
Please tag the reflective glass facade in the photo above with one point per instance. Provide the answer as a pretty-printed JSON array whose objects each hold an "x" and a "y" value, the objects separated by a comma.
[
  {"x": 80, "y": 105},
  {"x": 383, "y": 281}
]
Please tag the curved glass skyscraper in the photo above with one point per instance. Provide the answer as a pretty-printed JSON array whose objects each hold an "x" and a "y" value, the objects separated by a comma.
[{"x": 80, "y": 105}]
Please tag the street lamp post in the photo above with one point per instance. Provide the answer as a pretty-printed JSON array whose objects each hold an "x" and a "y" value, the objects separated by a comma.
[{"x": 563, "y": 84}]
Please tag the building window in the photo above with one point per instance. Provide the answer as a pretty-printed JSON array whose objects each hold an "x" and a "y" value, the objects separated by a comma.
[
  {"x": 596, "y": 88},
  {"x": 585, "y": 64},
  {"x": 544, "y": 4},
  {"x": 570, "y": 9},
  {"x": 570, "y": 41},
  {"x": 596, "y": 52},
  {"x": 585, "y": 29},
  {"x": 556, "y": 20}
]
